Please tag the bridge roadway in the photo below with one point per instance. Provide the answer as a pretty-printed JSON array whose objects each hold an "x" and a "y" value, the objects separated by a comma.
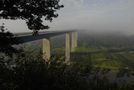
[{"x": 28, "y": 36}]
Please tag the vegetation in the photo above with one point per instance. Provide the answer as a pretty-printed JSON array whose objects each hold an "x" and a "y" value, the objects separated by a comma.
[
  {"x": 32, "y": 11},
  {"x": 92, "y": 69},
  {"x": 27, "y": 70},
  {"x": 7, "y": 39},
  {"x": 101, "y": 62}
]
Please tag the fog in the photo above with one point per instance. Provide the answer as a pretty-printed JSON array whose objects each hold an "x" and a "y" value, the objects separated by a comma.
[{"x": 97, "y": 15}]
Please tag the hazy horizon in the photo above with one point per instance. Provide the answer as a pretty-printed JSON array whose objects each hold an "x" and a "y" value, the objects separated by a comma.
[{"x": 98, "y": 15}]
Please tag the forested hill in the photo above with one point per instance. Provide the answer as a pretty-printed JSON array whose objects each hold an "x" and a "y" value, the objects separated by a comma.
[{"x": 106, "y": 39}]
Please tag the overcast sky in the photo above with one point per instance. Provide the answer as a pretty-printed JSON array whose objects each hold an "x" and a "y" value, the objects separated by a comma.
[{"x": 116, "y": 15}]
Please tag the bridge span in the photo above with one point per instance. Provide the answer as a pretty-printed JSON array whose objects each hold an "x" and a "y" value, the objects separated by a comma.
[{"x": 70, "y": 41}]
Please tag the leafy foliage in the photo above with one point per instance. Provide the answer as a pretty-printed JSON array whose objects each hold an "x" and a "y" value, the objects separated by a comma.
[
  {"x": 32, "y": 11},
  {"x": 7, "y": 39}
]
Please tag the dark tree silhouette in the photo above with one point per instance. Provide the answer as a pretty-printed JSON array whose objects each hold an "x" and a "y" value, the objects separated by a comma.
[
  {"x": 32, "y": 11},
  {"x": 7, "y": 39}
]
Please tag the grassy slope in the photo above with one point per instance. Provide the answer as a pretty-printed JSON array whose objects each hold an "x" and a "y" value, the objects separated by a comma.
[{"x": 103, "y": 59}]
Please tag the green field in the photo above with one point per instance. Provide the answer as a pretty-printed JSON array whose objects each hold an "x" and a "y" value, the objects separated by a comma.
[{"x": 104, "y": 58}]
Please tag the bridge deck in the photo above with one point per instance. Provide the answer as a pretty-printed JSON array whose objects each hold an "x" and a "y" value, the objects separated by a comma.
[{"x": 27, "y": 37}]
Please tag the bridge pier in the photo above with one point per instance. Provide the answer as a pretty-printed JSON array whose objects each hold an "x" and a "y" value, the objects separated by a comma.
[
  {"x": 46, "y": 49},
  {"x": 67, "y": 47},
  {"x": 73, "y": 41},
  {"x": 70, "y": 47}
]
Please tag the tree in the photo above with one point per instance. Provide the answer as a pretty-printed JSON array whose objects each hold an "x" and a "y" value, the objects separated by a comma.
[
  {"x": 7, "y": 39},
  {"x": 32, "y": 11}
]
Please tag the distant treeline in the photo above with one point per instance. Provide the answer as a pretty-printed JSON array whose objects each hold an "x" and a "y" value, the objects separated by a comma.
[{"x": 112, "y": 39}]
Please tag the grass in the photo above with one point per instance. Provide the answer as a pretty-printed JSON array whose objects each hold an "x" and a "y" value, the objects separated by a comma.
[
  {"x": 101, "y": 60},
  {"x": 104, "y": 59},
  {"x": 86, "y": 49}
]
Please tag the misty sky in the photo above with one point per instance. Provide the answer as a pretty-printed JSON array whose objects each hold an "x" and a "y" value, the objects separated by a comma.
[{"x": 99, "y": 15}]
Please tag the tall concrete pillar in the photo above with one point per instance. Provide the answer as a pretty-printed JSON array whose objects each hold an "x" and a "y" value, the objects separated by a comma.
[
  {"x": 73, "y": 41},
  {"x": 67, "y": 47},
  {"x": 46, "y": 49}
]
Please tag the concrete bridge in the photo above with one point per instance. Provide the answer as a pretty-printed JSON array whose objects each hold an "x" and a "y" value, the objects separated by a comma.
[{"x": 70, "y": 41}]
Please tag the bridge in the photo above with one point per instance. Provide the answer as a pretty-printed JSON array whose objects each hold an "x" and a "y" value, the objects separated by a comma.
[{"x": 70, "y": 41}]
